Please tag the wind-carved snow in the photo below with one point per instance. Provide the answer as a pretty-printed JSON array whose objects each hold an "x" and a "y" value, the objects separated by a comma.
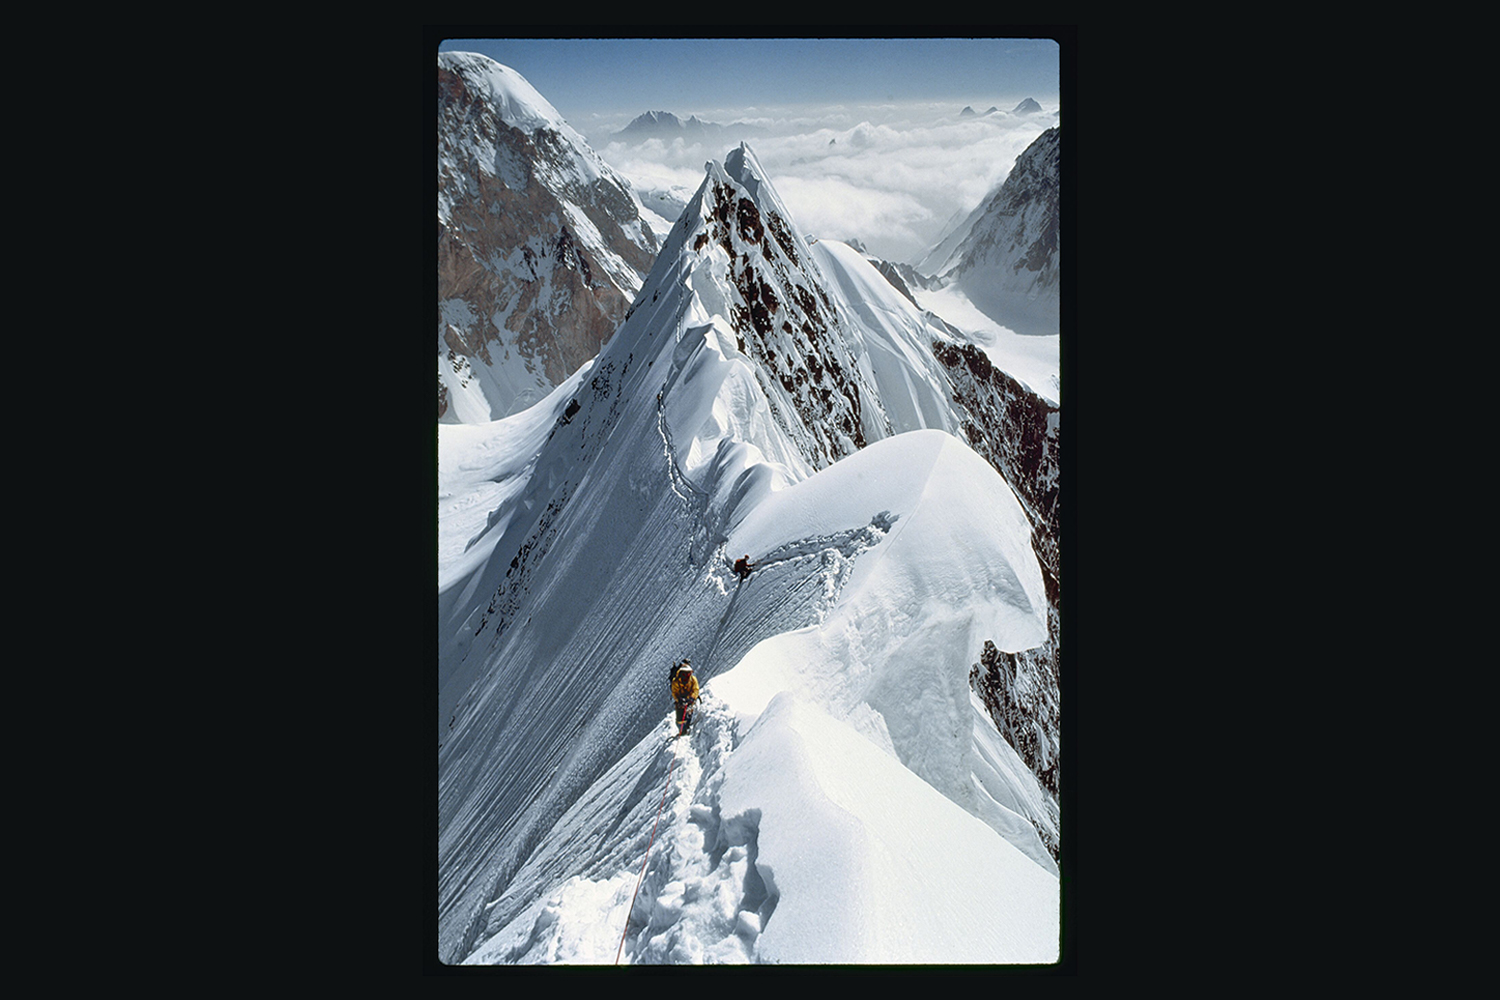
[{"x": 837, "y": 768}]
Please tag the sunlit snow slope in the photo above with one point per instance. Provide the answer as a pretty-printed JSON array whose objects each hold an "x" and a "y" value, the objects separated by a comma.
[{"x": 843, "y": 797}]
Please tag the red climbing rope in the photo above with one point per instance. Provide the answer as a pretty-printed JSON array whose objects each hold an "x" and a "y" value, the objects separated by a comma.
[{"x": 642, "y": 875}]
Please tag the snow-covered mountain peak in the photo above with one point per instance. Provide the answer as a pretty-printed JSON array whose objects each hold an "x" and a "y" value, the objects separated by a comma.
[
  {"x": 781, "y": 313},
  {"x": 517, "y": 101},
  {"x": 656, "y": 118},
  {"x": 741, "y": 165},
  {"x": 1004, "y": 256},
  {"x": 505, "y": 94},
  {"x": 542, "y": 246}
]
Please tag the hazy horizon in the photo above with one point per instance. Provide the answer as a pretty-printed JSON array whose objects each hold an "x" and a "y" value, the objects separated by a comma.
[{"x": 862, "y": 138}]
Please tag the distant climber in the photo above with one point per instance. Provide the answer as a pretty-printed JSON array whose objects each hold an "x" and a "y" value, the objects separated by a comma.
[
  {"x": 684, "y": 694},
  {"x": 742, "y": 568}
]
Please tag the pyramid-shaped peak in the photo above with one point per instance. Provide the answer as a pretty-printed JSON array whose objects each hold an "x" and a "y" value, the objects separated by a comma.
[
  {"x": 742, "y": 165},
  {"x": 743, "y": 168},
  {"x": 651, "y": 119}
]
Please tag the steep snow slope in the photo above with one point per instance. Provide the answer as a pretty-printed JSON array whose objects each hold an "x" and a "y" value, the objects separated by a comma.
[
  {"x": 1032, "y": 359},
  {"x": 999, "y": 391},
  {"x": 954, "y": 570},
  {"x": 483, "y": 471},
  {"x": 894, "y": 339},
  {"x": 737, "y": 410}
]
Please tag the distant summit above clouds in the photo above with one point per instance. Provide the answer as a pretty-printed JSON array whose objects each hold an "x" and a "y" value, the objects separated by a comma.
[
  {"x": 667, "y": 126},
  {"x": 1026, "y": 107}
]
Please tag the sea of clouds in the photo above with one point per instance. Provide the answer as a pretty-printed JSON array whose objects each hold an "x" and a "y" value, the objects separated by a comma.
[{"x": 893, "y": 176}]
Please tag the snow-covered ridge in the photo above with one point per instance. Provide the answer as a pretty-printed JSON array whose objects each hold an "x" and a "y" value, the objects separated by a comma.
[
  {"x": 844, "y": 797},
  {"x": 833, "y": 780},
  {"x": 950, "y": 568},
  {"x": 483, "y": 471},
  {"x": 748, "y": 821}
]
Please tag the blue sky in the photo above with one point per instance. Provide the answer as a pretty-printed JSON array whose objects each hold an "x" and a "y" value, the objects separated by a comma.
[
  {"x": 861, "y": 137},
  {"x": 583, "y": 78}
]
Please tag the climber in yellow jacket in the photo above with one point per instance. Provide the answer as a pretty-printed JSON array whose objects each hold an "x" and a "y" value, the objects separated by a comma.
[{"x": 684, "y": 694}]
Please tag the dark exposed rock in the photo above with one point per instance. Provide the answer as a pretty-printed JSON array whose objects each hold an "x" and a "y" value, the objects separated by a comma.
[{"x": 784, "y": 320}]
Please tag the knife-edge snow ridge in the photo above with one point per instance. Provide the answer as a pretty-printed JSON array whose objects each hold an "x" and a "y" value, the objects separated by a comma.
[{"x": 744, "y": 405}]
